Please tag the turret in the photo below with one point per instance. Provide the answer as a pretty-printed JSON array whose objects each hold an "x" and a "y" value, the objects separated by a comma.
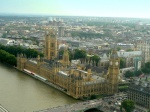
[
  {"x": 50, "y": 50},
  {"x": 66, "y": 61},
  {"x": 21, "y": 59},
  {"x": 39, "y": 60},
  {"x": 89, "y": 73}
]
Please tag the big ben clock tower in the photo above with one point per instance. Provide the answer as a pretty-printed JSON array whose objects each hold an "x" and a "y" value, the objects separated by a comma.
[{"x": 113, "y": 72}]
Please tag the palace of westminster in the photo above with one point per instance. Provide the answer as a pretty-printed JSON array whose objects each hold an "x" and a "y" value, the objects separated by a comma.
[{"x": 77, "y": 81}]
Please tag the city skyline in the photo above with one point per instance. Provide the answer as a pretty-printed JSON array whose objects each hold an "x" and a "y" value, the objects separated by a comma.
[{"x": 99, "y": 8}]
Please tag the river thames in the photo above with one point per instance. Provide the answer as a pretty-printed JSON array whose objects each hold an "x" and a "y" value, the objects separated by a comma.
[{"x": 22, "y": 93}]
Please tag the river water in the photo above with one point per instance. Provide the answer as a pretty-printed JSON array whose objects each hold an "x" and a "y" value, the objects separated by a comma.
[{"x": 22, "y": 93}]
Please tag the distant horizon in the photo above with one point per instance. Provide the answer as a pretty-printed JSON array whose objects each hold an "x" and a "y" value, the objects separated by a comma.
[
  {"x": 89, "y": 8},
  {"x": 46, "y": 15}
]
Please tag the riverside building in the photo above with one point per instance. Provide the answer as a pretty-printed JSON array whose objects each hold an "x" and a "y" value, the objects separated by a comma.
[
  {"x": 139, "y": 91},
  {"x": 79, "y": 81}
]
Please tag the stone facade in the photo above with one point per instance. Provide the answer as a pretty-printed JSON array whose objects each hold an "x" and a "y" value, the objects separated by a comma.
[
  {"x": 51, "y": 45},
  {"x": 144, "y": 46},
  {"x": 77, "y": 82},
  {"x": 139, "y": 92}
]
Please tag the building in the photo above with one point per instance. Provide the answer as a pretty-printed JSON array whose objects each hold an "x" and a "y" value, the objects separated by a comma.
[
  {"x": 79, "y": 81},
  {"x": 144, "y": 46},
  {"x": 139, "y": 91},
  {"x": 60, "y": 31},
  {"x": 51, "y": 45},
  {"x": 132, "y": 58},
  {"x": 104, "y": 61},
  {"x": 7, "y": 42}
]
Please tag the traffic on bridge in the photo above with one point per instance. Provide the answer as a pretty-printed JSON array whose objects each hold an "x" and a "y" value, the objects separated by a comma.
[{"x": 106, "y": 104}]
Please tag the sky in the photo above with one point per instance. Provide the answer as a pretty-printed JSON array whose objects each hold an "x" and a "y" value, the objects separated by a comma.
[{"x": 102, "y": 8}]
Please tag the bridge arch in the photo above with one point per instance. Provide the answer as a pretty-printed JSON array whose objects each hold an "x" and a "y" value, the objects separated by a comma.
[{"x": 93, "y": 110}]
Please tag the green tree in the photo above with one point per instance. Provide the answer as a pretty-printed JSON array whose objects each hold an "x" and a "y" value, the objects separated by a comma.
[
  {"x": 122, "y": 63},
  {"x": 80, "y": 54},
  {"x": 61, "y": 51},
  {"x": 138, "y": 73},
  {"x": 70, "y": 55},
  {"x": 146, "y": 68},
  {"x": 129, "y": 74},
  {"x": 8, "y": 58},
  {"x": 128, "y": 50},
  {"x": 118, "y": 48},
  {"x": 108, "y": 33},
  {"x": 95, "y": 59},
  {"x": 128, "y": 105},
  {"x": 18, "y": 50},
  {"x": 93, "y": 97},
  {"x": 147, "y": 65},
  {"x": 4, "y": 35}
]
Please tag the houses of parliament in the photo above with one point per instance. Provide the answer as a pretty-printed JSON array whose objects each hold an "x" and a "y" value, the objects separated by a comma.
[{"x": 77, "y": 81}]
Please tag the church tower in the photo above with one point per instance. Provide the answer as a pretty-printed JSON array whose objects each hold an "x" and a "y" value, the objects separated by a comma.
[
  {"x": 21, "y": 59},
  {"x": 113, "y": 72},
  {"x": 66, "y": 61},
  {"x": 50, "y": 50}
]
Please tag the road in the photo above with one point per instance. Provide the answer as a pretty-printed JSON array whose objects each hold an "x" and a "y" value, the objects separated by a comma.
[{"x": 107, "y": 104}]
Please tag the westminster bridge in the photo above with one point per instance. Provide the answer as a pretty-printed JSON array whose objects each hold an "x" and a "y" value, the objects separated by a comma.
[
  {"x": 106, "y": 104},
  {"x": 77, "y": 107}
]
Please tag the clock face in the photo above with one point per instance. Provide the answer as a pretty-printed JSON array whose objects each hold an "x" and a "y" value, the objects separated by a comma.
[
  {"x": 116, "y": 63},
  {"x": 111, "y": 63}
]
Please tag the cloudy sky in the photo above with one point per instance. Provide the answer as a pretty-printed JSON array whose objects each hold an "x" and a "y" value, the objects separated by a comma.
[{"x": 103, "y": 8}]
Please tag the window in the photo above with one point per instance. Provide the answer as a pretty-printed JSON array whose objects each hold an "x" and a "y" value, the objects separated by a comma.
[
  {"x": 52, "y": 44},
  {"x": 52, "y": 53}
]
